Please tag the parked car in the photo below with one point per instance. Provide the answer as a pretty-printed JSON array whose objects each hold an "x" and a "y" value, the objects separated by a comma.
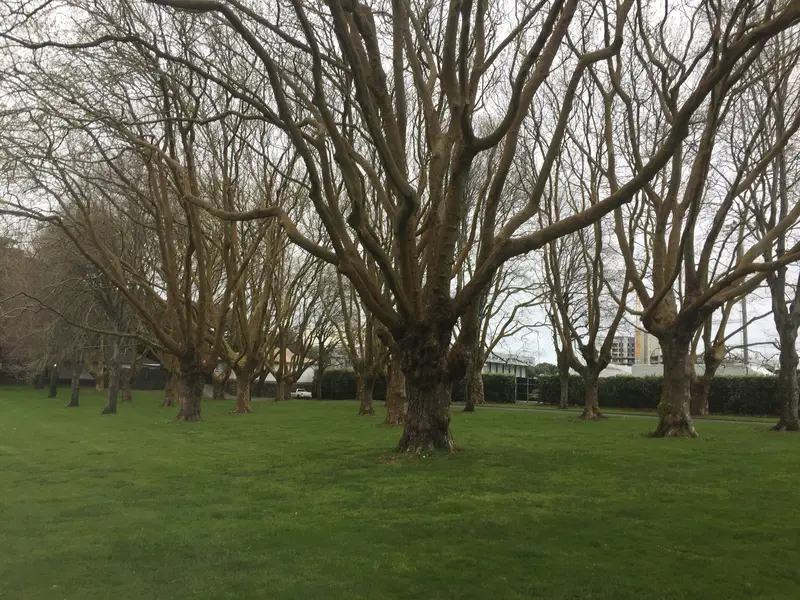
[{"x": 300, "y": 393}]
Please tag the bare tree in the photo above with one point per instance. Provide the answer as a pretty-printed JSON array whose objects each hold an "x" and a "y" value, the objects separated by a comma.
[{"x": 326, "y": 86}]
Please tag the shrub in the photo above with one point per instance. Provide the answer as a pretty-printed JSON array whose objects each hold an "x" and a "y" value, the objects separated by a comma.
[
  {"x": 498, "y": 388},
  {"x": 752, "y": 395},
  {"x": 340, "y": 384}
]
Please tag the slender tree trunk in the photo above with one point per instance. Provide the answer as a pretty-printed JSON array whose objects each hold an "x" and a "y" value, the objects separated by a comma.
[
  {"x": 366, "y": 387},
  {"x": 591, "y": 408},
  {"x": 673, "y": 410},
  {"x": 244, "y": 379},
  {"x": 787, "y": 383},
  {"x": 113, "y": 382},
  {"x": 563, "y": 379},
  {"x": 100, "y": 380},
  {"x": 127, "y": 390},
  {"x": 219, "y": 379},
  {"x": 395, "y": 394},
  {"x": 38, "y": 381},
  {"x": 281, "y": 389},
  {"x": 190, "y": 393},
  {"x": 53, "y": 392},
  {"x": 262, "y": 377},
  {"x": 170, "y": 389},
  {"x": 700, "y": 386},
  {"x": 75, "y": 384}
]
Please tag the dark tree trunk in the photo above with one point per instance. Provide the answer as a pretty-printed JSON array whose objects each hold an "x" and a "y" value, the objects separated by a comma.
[
  {"x": 75, "y": 385},
  {"x": 113, "y": 383},
  {"x": 365, "y": 385},
  {"x": 428, "y": 417},
  {"x": 190, "y": 393},
  {"x": 244, "y": 379},
  {"x": 38, "y": 381},
  {"x": 282, "y": 388},
  {"x": 673, "y": 410},
  {"x": 787, "y": 383},
  {"x": 262, "y": 377},
  {"x": 127, "y": 390},
  {"x": 395, "y": 394},
  {"x": 219, "y": 380},
  {"x": 591, "y": 407},
  {"x": 700, "y": 386},
  {"x": 563, "y": 379},
  {"x": 53, "y": 392},
  {"x": 170, "y": 389}
]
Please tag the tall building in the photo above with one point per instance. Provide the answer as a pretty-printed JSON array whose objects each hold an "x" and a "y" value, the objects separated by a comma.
[
  {"x": 623, "y": 350},
  {"x": 648, "y": 350}
]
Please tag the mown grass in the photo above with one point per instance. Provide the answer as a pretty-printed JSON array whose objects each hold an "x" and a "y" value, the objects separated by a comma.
[
  {"x": 577, "y": 410},
  {"x": 307, "y": 500}
]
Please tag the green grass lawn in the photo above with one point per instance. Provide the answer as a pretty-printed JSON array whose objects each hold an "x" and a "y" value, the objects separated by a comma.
[
  {"x": 646, "y": 412},
  {"x": 307, "y": 500}
]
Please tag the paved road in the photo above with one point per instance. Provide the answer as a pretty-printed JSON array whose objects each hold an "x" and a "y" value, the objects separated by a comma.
[{"x": 614, "y": 414}]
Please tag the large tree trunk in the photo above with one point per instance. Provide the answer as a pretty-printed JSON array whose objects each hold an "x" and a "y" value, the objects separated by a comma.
[
  {"x": 53, "y": 392},
  {"x": 219, "y": 379},
  {"x": 395, "y": 394},
  {"x": 591, "y": 407},
  {"x": 787, "y": 383},
  {"x": 113, "y": 383},
  {"x": 190, "y": 393},
  {"x": 170, "y": 389},
  {"x": 365, "y": 385},
  {"x": 244, "y": 379},
  {"x": 428, "y": 418},
  {"x": 673, "y": 410},
  {"x": 475, "y": 393},
  {"x": 75, "y": 384},
  {"x": 425, "y": 364}
]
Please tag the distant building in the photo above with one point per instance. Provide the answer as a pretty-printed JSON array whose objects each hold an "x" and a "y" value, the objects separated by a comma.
[
  {"x": 648, "y": 350},
  {"x": 623, "y": 350},
  {"x": 507, "y": 364}
]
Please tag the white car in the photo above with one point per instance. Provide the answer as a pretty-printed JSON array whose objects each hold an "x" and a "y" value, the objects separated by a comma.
[{"x": 300, "y": 393}]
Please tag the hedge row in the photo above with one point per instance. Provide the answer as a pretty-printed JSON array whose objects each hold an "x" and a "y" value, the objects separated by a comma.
[
  {"x": 728, "y": 395},
  {"x": 340, "y": 384},
  {"x": 498, "y": 388}
]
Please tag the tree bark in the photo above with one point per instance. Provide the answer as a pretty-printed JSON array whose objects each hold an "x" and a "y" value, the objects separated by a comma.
[
  {"x": 673, "y": 410},
  {"x": 365, "y": 388},
  {"x": 244, "y": 379},
  {"x": 75, "y": 385},
  {"x": 113, "y": 383},
  {"x": 53, "y": 392},
  {"x": 563, "y": 379},
  {"x": 38, "y": 381},
  {"x": 219, "y": 379},
  {"x": 700, "y": 386},
  {"x": 281, "y": 389},
  {"x": 262, "y": 376},
  {"x": 190, "y": 393},
  {"x": 787, "y": 383},
  {"x": 127, "y": 390},
  {"x": 395, "y": 394},
  {"x": 591, "y": 407},
  {"x": 428, "y": 418},
  {"x": 170, "y": 389}
]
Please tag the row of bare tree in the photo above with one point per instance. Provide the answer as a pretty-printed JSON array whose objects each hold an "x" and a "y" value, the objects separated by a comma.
[{"x": 418, "y": 150}]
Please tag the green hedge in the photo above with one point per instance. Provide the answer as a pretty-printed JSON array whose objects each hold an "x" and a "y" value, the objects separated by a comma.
[
  {"x": 340, "y": 384},
  {"x": 498, "y": 388},
  {"x": 728, "y": 395}
]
